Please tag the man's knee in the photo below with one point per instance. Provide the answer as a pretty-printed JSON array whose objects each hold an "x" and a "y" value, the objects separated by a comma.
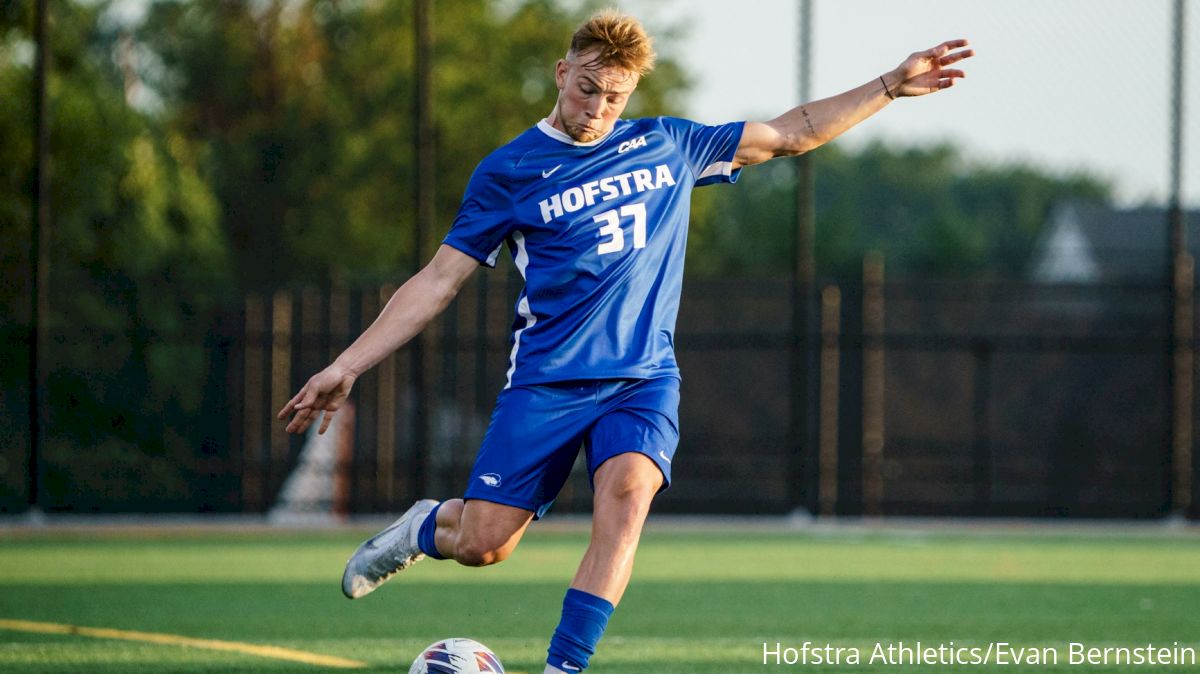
[
  {"x": 488, "y": 533},
  {"x": 629, "y": 478},
  {"x": 639, "y": 489},
  {"x": 480, "y": 551}
]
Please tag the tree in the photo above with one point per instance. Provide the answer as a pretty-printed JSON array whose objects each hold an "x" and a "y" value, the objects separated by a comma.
[
  {"x": 137, "y": 262},
  {"x": 927, "y": 209},
  {"x": 304, "y": 111}
]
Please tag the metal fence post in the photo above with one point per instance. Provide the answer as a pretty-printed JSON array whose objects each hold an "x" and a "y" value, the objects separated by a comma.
[
  {"x": 252, "y": 411},
  {"x": 39, "y": 255},
  {"x": 873, "y": 381},
  {"x": 981, "y": 443},
  {"x": 280, "y": 391},
  {"x": 827, "y": 489},
  {"x": 1183, "y": 394},
  {"x": 803, "y": 484},
  {"x": 424, "y": 184},
  {"x": 1180, "y": 276},
  {"x": 385, "y": 419}
]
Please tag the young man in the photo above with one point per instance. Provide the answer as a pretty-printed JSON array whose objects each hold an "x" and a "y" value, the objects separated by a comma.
[{"x": 595, "y": 211}]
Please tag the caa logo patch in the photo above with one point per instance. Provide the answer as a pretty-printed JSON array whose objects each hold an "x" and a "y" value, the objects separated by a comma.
[
  {"x": 634, "y": 144},
  {"x": 490, "y": 479}
]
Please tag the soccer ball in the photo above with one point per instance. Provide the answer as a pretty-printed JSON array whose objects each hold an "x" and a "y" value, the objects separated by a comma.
[{"x": 456, "y": 656}]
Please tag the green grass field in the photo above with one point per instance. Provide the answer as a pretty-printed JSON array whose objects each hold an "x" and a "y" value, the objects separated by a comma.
[{"x": 700, "y": 602}]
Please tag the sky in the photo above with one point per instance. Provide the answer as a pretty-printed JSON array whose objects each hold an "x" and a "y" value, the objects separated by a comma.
[{"x": 1068, "y": 85}]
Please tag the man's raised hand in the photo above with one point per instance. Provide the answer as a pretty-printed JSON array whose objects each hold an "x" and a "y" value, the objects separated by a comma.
[{"x": 926, "y": 71}]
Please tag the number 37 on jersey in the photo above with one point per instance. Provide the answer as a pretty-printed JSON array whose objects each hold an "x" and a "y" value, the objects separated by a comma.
[{"x": 612, "y": 232}]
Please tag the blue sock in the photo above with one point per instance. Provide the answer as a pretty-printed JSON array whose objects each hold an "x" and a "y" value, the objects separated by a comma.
[
  {"x": 425, "y": 537},
  {"x": 584, "y": 617}
]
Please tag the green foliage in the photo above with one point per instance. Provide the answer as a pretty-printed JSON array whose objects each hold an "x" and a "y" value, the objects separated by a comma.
[
  {"x": 928, "y": 210},
  {"x": 137, "y": 260},
  {"x": 307, "y": 111}
]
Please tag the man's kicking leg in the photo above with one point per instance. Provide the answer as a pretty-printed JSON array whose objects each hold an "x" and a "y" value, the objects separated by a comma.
[
  {"x": 625, "y": 485},
  {"x": 473, "y": 533},
  {"x": 532, "y": 441}
]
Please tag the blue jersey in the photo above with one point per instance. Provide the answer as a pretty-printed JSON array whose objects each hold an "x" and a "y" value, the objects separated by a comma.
[{"x": 598, "y": 230}]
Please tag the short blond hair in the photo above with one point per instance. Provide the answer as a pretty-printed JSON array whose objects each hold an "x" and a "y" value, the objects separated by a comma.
[{"x": 618, "y": 39}]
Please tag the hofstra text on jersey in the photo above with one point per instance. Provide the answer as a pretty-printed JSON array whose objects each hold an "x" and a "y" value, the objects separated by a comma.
[{"x": 605, "y": 189}]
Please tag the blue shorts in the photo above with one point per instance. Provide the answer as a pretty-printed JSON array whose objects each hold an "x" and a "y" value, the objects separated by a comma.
[{"x": 536, "y": 432}]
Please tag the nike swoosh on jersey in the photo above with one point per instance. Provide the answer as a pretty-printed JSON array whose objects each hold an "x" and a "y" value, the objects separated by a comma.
[{"x": 547, "y": 174}]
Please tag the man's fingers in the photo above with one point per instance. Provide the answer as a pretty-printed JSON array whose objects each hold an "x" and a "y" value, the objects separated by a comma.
[
  {"x": 312, "y": 405},
  {"x": 326, "y": 421},
  {"x": 944, "y": 48},
  {"x": 951, "y": 74},
  {"x": 957, "y": 56},
  {"x": 311, "y": 397},
  {"x": 293, "y": 405},
  {"x": 306, "y": 414},
  {"x": 287, "y": 407},
  {"x": 290, "y": 406},
  {"x": 299, "y": 422},
  {"x": 310, "y": 401}
]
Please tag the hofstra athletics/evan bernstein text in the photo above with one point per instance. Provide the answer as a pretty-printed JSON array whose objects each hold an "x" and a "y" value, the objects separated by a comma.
[{"x": 994, "y": 653}]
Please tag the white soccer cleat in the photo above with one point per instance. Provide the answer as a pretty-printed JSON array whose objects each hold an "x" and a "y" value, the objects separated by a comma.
[{"x": 383, "y": 555}]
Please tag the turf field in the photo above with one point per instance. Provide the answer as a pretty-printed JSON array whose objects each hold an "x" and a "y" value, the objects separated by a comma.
[{"x": 702, "y": 601}]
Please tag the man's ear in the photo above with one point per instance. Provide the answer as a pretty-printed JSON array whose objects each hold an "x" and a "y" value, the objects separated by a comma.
[{"x": 560, "y": 73}]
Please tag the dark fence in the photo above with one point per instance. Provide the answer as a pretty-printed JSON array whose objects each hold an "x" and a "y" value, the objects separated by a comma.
[
  {"x": 1006, "y": 399},
  {"x": 964, "y": 398}
]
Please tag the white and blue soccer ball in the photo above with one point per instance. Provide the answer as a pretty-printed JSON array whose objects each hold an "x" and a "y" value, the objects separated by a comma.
[{"x": 456, "y": 656}]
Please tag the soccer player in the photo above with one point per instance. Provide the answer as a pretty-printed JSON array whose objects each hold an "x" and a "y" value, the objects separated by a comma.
[{"x": 594, "y": 210}]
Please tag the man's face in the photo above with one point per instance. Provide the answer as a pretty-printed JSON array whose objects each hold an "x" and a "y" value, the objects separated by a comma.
[{"x": 590, "y": 98}]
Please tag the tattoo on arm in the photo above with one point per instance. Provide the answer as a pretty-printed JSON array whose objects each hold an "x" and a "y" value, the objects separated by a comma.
[{"x": 808, "y": 120}]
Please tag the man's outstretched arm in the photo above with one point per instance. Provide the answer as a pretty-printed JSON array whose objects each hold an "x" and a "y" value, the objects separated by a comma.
[
  {"x": 811, "y": 125},
  {"x": 417, "y": 302}
]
